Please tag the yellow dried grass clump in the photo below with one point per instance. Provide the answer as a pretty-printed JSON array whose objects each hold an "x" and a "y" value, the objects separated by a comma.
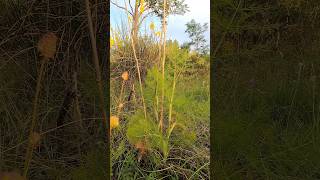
[{"x": 47, "y": 45}]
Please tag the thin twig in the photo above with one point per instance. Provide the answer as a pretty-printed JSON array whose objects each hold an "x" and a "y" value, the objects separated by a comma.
[
  {"x": 34, "y": 118},
  {"x": 121, "y": 7}
]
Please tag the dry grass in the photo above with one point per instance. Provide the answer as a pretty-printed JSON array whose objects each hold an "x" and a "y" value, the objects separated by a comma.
[{"x": 68, "y": 84}]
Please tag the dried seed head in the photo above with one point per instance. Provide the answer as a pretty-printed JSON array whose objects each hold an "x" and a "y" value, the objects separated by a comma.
[
  {"x": 121, "y": 105},
  {"x": 125, "y": 75},
  {"x": 114, "y": 122},
  {"x": 139, "y": 145},
  {"x": 47, "y": 45},
  {"x": 141, "y": 148},
  {"x": 35, "y": 139}
]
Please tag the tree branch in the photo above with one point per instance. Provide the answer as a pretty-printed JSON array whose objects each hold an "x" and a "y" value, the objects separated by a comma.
[
  {"x": 123, "y": 8},
  {"x": 130, "y": 5},
  {"x": 144, "y": 17}
]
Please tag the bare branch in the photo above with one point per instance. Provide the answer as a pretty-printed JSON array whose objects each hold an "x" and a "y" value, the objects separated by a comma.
[
  {"x": 123, "y": 8},
  {"x": 144, "y": 17},
  {"x": 130, "y": 6}
]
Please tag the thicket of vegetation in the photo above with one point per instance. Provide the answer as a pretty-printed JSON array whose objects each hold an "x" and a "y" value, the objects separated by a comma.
[
  {"x": 159, "y": 97},
  {"x": 53, "y": 105},
  {"x": 51, "y": 40},
  {"x": 266, "y": 89}
]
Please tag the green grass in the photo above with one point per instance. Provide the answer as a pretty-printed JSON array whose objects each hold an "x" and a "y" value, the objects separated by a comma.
[
  {"x": 268, "y": 127},
  {"x": 185, "y": 160}
]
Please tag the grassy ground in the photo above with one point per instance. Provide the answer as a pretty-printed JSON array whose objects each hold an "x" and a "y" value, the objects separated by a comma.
[
  {"x": 184, "y": 161},
  {"x": 267, "y": 118},
  {"x": 266, "y": 100}
]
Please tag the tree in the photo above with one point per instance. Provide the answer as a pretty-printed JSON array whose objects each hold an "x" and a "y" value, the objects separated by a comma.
[
  {"x": 138, "y": 14},
  {"x": 185, "y": 45},
  {"x": 176, "y": 7},
  {"x": 196, "y": 34}
]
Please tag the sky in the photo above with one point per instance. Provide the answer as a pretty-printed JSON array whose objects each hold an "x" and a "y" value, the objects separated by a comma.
[{"x": 199, "y": 10}]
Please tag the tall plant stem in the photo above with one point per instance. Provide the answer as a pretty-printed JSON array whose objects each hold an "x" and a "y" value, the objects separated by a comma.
[
  {"x": 137, "y": 67},
  {"x": 77, "y": 105},
  {"x": 34, "y": 118},
  {"x": 172, "y": 96},
  {"x": 157, "y": 86},
  {"x": 106, "y": 126},
  {"x": 135, "y": 22},
  {"x": 164, "y": 23},
  {"x": 120, "y": 97},
  {"x": 96, "y": 64},
  {"x": 139, "y": 76}
]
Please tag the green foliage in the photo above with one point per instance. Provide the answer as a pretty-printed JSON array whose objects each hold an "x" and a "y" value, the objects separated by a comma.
[
  {"x": 189, "y": 105},
  {"x": 267, "y": 107},
  {"x": 146, "y": 130},
  {"x": 261, "y": 150},
  {"x": 175, "y": 150},
  {"x": 174, "y": 7},
  {"x": 196, "y": 34},
  {"x": 265, "y": 123},
  {"x": 194, "y": 103},
  {"x": 176, "y": 57},
  {"x": 154, "y": 84}
]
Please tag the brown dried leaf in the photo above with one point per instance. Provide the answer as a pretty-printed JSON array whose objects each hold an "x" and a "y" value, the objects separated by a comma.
[
  {"x": 142, "y": 149},
  {"x": 47, "y": 45}
]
